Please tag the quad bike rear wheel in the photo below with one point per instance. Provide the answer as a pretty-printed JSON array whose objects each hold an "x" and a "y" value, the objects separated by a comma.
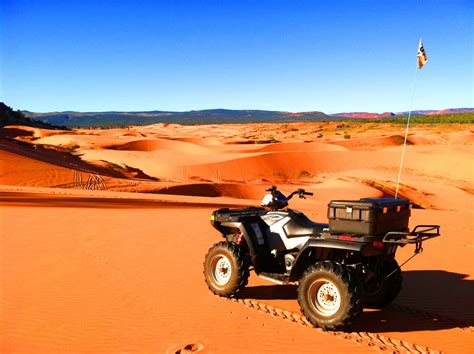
[
  {"x": 226, "y": 269},
  {"x": 381, "y": 291},
  {"x": 330, "y": 295}
]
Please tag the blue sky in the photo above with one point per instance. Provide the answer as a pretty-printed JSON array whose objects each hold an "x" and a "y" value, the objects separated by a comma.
[{"x": 331, "y": 56}]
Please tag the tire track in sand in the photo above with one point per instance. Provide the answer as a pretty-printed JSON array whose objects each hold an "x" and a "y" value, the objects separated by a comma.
[{"x": 367, "y": 339}]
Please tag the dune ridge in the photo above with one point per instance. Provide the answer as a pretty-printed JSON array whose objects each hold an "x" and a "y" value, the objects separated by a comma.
[
  {"x": 177, "y": 157},
  {"x": 118, "y": 269}
]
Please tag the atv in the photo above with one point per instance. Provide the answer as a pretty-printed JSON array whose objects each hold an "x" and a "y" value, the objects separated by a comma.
[{"x": 340, "y": 267}]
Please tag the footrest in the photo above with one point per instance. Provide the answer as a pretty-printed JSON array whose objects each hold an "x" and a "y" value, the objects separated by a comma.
[{"x": 275, "y": 277}]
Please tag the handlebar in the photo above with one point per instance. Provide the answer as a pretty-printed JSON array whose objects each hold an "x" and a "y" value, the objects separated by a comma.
[
  {"x": 279, "y": 200},
  {"x": 300, "y": 191}
]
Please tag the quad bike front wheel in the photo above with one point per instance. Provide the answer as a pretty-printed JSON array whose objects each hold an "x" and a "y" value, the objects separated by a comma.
[
  {"x": 330, "y": 295},
  {"x": 226, "y": 269},
  {"x": 380, "y": 291}
]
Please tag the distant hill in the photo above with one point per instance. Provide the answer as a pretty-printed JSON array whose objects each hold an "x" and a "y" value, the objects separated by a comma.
[
  {"x": 365, "y": 115},
  {"x": 209, "y": 116},
  {"x": 10, "y": 117},
  {"x": 72, "y": 119},
  {"x": 437, "y": 112},
  {"x": 445, "y": 118},
  {"x": 400, "y": 114}
]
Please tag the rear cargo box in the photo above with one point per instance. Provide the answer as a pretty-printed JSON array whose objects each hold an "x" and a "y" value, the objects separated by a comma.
[{"x": 369, "y": 216}]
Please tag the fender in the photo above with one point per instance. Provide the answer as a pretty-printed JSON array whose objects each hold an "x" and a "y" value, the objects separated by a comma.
[
  {"x": 318, "y": 245},
  {"x": 250, "y": 239}
]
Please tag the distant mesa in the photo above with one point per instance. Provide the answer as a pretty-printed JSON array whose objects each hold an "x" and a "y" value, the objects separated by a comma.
[
  {"x": 208, "y": 116},
  {"x": 436, "y": 112},
  {"x": 121, "y": 119},
  {"x": 368, "y": 115}
]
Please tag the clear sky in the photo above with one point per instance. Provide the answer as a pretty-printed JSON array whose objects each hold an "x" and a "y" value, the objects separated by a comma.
[{"x": 331, "y": 56}]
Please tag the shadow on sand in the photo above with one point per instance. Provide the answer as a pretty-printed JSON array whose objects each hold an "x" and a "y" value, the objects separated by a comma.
[
  {"x": 430, "y": 300},
  {"x": 82, "y": 201}
]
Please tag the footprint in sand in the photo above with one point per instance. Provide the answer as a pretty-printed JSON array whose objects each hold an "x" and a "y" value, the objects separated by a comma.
[{"x": 188, "y": 348}]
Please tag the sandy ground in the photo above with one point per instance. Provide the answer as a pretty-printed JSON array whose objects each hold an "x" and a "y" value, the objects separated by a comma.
[{"x": 103, "y": 234}]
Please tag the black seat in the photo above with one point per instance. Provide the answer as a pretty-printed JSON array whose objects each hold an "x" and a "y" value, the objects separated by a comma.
[{"x": 300, "y": 225}]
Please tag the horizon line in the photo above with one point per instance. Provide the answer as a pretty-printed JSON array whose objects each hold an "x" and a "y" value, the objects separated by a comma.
[{"x": 244, "y": 109}]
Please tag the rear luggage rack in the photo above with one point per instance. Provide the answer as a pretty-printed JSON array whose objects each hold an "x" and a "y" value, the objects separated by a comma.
[{"x": 419, "y": 234}]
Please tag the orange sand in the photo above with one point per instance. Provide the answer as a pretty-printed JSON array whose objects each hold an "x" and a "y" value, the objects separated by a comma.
[{"x": 120, "y": 270}]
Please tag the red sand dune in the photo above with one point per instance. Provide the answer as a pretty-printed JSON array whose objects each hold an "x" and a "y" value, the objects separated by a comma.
[
  {"x": 378, "y": 142},
  {"x": 233, "y": 190},
  {"x": 200, "y": 141},
  {"x": 419, "y": 139},
  {"x": 465, "y": 137},
  {"x": 37, "y": 132},
  {"x": 161, "y": 144},
  {"x": 110, "y": 271},
  {"x": 288, "y": 165},
  {"x": 338, "y": 188},
  {"x": 82, "y": 141},
  {"x": 300, "y": 147},
  {"x": 19, "y": 170},
  {"x": 115, "y": 284}
]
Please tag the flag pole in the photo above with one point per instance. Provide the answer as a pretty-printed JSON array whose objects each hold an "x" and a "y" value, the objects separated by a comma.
[{"x": 406, "y": 130}]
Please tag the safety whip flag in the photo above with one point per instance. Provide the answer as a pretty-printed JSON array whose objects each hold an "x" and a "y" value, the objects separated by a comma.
[{"x": 422, "y": 58}]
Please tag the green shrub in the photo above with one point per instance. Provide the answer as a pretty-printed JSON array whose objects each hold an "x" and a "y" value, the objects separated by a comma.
[
  {"x": 273, "y": 140},
  {"x": 304, "y": 174},
  {"x": 452, "y": 118},
  {"x": 73, "y": 148},
  {"x": 280, "y": 175}
]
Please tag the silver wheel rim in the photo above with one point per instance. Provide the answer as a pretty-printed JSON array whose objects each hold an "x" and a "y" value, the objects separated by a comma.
[
  {"x": 324, "y": 297},
  {"x": 221, "y": 269}
]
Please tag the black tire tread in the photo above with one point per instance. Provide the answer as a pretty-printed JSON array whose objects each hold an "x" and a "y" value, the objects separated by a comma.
[
  {"x": 393, "y": 286},
  {"x": 355, "y": 292},
  {"x": 242, "y": 262}
]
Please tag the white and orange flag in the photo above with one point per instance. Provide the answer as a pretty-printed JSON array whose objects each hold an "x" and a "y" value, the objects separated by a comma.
[{"x": 422, "y": 58}]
